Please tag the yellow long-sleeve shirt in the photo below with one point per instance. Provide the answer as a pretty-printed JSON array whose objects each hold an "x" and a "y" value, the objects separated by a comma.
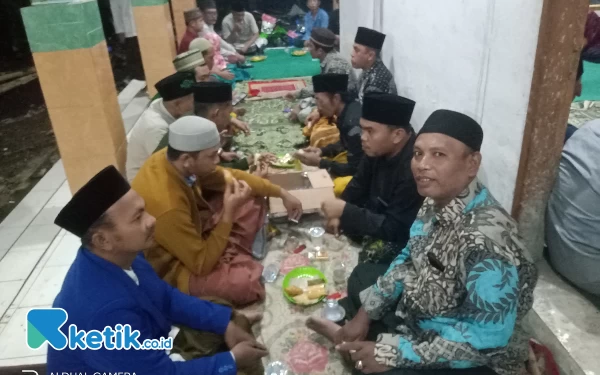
[{"x": 180, "y": 249}]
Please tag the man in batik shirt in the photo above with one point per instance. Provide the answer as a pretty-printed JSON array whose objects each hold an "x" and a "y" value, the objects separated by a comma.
[
  {"x": 452, "y": 302},
  {"x": 366, "y": 55}
]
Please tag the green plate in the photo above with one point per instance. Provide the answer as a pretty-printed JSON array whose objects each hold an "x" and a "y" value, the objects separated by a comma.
[
  {"x": 284, "y": 166},
  {"x": 302, "y": 272}
]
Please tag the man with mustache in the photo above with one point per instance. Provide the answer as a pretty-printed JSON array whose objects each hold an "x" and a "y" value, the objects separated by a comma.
[
  {"x": 381, "y": 201},
  {"x": 452, "y": 302},
  {"x": 111, "y": 284},
  {"x": 207, "y": 217}
]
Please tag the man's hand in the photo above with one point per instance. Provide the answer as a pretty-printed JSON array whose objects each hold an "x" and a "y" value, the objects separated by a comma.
[
  {"x": 306, "y": 43},
  {"x": 240, "y": 112},
  {"x": 248, "y": 353},
  {"x": 226, "y": 75},
  {"x": 229, "y": 156},
  {"x": 237, "y": 27},
  {"x": 240, "y": 125},
  {"x": 362, "y": 353},
  {"x": 315, "y": 150},
  {"x": 333, "y": 208},
  {"x": 292, "y": 205},
  {"x": 235, "y": 195},
  {"x": 243, "y": 49},
  {"x": 313, "y": 118},
  {"x": 234, "y": 334},
  {"x": 262, "y": 170},
  {"x": 311, "y": 159},
  {"x": 291, "y": 96},
  {"x": 355, "y": 330},
  {"x": 333, "y": 226}
]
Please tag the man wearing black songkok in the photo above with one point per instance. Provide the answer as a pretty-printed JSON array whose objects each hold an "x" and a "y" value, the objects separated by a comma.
[
  {"x": 452, "y": 302},
  {"x": 341, "y": 159},
  {"x": 110, "y": 283},
  {"x": 366, "y": 55},
  {"x": 380, "y": 203}
]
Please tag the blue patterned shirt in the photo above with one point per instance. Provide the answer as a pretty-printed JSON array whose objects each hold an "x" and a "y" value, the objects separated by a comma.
[
  {"x": 321, "y": 20},
  {"x": 461, "y": 286}
]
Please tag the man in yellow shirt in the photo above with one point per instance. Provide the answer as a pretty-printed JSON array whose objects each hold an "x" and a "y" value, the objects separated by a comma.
[{"x": 206, "y": 218}]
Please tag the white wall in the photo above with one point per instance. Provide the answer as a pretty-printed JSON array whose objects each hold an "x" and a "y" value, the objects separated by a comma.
[{"x": 472, "y": 56}]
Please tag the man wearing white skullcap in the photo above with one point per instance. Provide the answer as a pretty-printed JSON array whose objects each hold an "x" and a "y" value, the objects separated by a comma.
[{"x": 206, "y": 216}]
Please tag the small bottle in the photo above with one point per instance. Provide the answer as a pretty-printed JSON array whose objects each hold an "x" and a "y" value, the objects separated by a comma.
[
  {"x": 276, "y": 368},
  {"x": 270, "y": 273},
  {"x": 333, "y": 311},
  {"x": 339, "y": 272}
]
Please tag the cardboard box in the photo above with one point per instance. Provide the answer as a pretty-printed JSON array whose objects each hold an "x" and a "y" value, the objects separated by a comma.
[{"x": 311, "y": 188}]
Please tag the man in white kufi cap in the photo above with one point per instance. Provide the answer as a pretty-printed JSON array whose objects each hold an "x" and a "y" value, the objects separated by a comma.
[{"x": 207, "y": 217}]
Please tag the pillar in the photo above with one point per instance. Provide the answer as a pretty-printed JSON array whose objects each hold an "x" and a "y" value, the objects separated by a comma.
[
  {"x": 157, "y": 40},
  {"x": 559, "y": 44},
  {"x": 178, "y": 7},
  {"x": 73, "y": 66}
]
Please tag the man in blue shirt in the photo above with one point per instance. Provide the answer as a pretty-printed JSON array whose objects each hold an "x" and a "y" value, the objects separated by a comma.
[
  {"x": 110, "y": 284},
  {"x": 316, "y": 17}
]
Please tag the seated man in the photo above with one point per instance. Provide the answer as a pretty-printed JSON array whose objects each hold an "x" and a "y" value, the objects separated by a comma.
[
  {"x": 315, "y": 17},
  {"x": 341, "y": 159},
  {"x": 212, "y": 100},
  {"x": 193, "y": 61},
  {"x": 206, "y": 220},
  {"x": 194, "y": 22},
  {"x": 208, "y": 52},
  {"x": 110, "y": 284},
  {"x": 240, "y": 29},
  {"x": 452, "y": 302},
  {"x": 211, "y": 15},
  {"x": 381, "y": 202},
  {"x": 573, "y": 216},
  {"x": 366, "y": 55},
  {"x": 176, "y": 100},
  {"x": 321, "y": 46}
]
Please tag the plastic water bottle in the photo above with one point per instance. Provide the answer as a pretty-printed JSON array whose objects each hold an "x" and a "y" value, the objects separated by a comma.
[
  {"x": 270, "y": 273},
  {"x": 333, "y": 311},
  {"x": 259, "y": 246},
  {"x": 276, "y": 368}
]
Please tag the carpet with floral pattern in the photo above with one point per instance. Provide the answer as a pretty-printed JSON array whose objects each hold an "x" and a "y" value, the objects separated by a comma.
[{"x": 283, "y": 329}]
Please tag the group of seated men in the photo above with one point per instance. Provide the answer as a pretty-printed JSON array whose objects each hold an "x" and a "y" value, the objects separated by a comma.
[{"x": 443, "y": 280}]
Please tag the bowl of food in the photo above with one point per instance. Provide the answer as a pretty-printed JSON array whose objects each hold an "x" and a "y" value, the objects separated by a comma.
[
  {"x": 299, "y": 52},
  {"x": 258, "y": 58},
  {"x": 305, "y": 286}
]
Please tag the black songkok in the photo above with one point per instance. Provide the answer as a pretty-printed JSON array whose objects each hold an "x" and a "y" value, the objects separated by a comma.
[
  {"x": 388, "y": 109},
  {"x": 370, "y": 38},
  {"x": 456, "y": 125},
  {"x": 92, "y": 201},
  {"x": 212, "y": 92}
]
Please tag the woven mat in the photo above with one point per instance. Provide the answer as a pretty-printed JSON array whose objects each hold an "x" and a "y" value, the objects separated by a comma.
[
  {"x": 283, "y": 329},
  {"x": 271, "y": 130}
]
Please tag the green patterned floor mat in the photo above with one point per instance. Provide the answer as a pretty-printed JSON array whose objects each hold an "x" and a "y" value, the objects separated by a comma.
[{"x": 272, "y": 131}]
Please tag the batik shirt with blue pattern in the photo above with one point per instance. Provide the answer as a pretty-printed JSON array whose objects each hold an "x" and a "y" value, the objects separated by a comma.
[{"x": 461, "y": 286}]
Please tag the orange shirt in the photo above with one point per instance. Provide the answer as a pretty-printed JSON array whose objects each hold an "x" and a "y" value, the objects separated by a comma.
[{"x": 180, "y": 248}]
